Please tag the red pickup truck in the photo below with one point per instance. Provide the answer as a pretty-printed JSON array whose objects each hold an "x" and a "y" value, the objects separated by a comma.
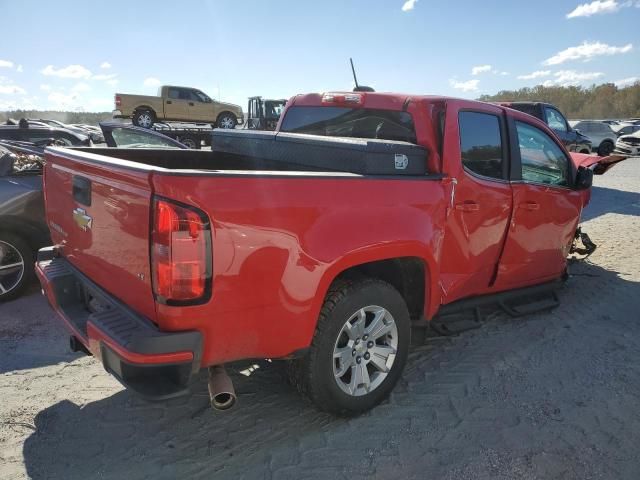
[{"x": 300, "y": 245}]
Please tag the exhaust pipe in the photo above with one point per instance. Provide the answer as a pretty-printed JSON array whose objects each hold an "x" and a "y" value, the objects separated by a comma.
[
  {"x": 221, "y": 391},
  {"x": 77, "y": 346}
]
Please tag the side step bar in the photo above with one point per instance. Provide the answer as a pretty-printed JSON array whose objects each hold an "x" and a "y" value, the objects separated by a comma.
[{"x": 468, "y": 313}]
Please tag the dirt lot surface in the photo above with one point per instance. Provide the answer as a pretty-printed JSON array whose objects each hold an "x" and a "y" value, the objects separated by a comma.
[{"x": 553, "y": 395}]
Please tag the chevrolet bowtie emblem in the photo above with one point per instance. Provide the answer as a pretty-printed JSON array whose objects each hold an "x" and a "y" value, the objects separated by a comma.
[{"x": 81, "y": 218}]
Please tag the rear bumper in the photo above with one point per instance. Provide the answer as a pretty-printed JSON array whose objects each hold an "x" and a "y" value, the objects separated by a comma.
[{"x": 155, "y": 364}]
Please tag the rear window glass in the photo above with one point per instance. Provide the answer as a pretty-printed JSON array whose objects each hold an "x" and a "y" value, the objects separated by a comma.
[
  {"x": 527, "y": 108},
  {"x": 350, "y": 122},
  {"x": 481, "y": 143}
]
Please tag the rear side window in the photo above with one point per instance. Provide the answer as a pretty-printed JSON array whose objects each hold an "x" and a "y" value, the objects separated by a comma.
[
  {"x": 481, "y": 143},
  {"x": 350, "y": 122},
  {"x": 543, "y": 161}
]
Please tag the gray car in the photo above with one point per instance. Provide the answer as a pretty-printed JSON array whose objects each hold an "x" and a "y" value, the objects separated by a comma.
[
  {"x": 603, "y": 138},
  {"x": 23, "y": 228}
]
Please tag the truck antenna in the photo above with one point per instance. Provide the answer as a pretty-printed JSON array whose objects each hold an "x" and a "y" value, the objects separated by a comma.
[
  {"x": 358, "y": 88},
  {"x": 355, "y": 79}
]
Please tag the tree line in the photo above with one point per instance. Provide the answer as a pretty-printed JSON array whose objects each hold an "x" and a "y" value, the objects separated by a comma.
[
  {"x": 597, "y": 101},
  {"x": 594, "y": 102},
  {"x": 90, "y": 118}
]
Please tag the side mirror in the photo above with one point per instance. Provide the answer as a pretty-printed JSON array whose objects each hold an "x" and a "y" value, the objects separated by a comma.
[{"x": 584, "y": 178}]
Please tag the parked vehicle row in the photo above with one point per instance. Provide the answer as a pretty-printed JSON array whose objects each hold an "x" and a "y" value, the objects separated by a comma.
[{"x": 297, "y": 245}]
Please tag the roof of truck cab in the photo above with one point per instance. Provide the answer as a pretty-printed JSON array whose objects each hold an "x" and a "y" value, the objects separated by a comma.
[{"x": 383, "y": 100}]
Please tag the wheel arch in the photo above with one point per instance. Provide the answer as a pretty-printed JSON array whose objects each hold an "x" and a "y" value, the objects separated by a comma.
[
  {"x": 139, "y": 108},
  {"x": 409, "y": 268},
  {"x": 34, "y": 235},
  {"x": 223, "y": 112}
]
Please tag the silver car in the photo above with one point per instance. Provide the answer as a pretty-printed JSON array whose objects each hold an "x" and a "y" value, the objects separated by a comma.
[
  {"x": 629, "y": 144},
  {"x": 625, "y": 129},
  {"x": 602, "y": 137}
]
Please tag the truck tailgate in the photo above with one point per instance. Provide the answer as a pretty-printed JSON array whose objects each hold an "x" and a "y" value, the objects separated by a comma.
[{"x": 99, "y": 216}]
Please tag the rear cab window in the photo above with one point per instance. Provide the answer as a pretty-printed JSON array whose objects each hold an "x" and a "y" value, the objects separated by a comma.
[
  {"x": 481, "y": 142},
  {"x": 350, "y": 122}
]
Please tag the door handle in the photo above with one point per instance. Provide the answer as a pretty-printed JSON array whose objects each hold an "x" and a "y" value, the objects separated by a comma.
[
  {"x": 81, "y": 188},
  {"x": 468, "y": 206},
  {"x": 169, "y": 102},
  {"x": 191, "y": 104},
  {"x": 530, "y": 206}
]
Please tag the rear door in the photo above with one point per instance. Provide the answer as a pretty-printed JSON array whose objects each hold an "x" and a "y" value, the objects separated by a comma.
[
  {"x": 98, "y": 212},
  {"x": 480, "y": 207},
  {"x": 546, "y": 210},
  {"x": 176, "y": 104}
]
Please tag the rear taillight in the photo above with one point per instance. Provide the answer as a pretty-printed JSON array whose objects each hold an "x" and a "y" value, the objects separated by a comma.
[
  {"x": 180, "y": 253},
  {"x": 118, "y": 101}
]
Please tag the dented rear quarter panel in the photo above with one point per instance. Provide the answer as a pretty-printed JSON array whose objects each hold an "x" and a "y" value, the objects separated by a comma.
[{"x": 279, "y": 242}]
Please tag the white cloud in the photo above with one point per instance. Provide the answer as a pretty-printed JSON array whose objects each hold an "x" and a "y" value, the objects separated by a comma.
[
  {"x": 566, "y": 78},
  {"x": 626, "y": 81},
  {"x": 536, "y": 74},
  {"x": 105, "y": 65},
  {"x": 6, "y": 64},
  {"x": 408, "y": 5},
  {"x": 102, "y": 103},
  {"x": 594, "y": 8},
  {"x": 60, "y": 99},
  {"x": 113, "y": 82},
  {"x": 504, "y": 73},
  {"x": 45, "y": 87},
  {"x": 151, "y": 82},
  {"x": 480, "y": 69},
  {"x": 80, "y": 87},
  {"x": 19, "y": 69},
  {"x": 71, "y": 71},
  {"x": 104, "y": 76},
  {"x": 12, "y": 90},
  {"x": 468, "y": 86},
  {"x": 586, "y": 51}
]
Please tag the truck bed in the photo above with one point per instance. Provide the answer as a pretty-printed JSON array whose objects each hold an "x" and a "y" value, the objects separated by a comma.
[{"x": 258, "y": 151}]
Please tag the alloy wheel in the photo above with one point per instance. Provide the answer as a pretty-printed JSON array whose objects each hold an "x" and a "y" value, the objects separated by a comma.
[
  {"x": 11, "y": 267},
  {"x": 365, "y": 350}
]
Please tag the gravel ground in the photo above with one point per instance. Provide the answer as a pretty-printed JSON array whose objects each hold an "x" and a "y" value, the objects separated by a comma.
[{"x": 548, "y": 396}]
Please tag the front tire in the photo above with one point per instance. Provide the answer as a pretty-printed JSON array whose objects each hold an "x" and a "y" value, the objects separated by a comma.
[
  {"x": 359, "y": 349},
  {"x": 227, "y": 120},
  {"x": 605, "y": 148},
  {"x": 16, "y": 266},
  {"x": 144, "y": 118}
]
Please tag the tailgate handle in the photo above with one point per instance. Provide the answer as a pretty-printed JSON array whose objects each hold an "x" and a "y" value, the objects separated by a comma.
[{"x": 82, "y": 190}]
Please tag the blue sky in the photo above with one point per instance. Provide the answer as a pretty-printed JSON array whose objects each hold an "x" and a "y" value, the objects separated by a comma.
[{"x": 74, "y": 55}]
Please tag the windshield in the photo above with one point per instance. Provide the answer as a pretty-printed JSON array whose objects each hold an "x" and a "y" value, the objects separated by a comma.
[
  {"x": 350, "y": 122},
  {"x": 128, "y": 138}
]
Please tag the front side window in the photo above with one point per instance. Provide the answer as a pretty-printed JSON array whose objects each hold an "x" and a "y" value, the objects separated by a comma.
[
  {"x": 555, "y": 120},
  {"x": 350, "y": 122},
  {"x": 481, "y": 143},
  {"x": 174, "y": 93},
  {"x": 543, "y": 161}
]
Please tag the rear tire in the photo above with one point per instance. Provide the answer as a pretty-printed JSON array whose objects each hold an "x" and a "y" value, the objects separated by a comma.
[
  {"x": 16, "y": 266},
  {"x": 605, "y": 148},
  {"x": 359, "y": 348},
  {"x": 144, "y": 118},
  {"x": 226, "y": 120}
]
